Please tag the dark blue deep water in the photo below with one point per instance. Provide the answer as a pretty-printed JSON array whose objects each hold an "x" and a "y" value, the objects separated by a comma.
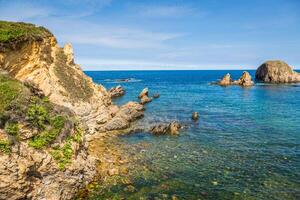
[{"x": 246, "y": 144}]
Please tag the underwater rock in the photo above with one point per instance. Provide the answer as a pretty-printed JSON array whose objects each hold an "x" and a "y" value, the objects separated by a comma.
[
  {"x": 117, "y": 91},
  {"x": 166, "y": 129},
  {"x": 156, "y": 95},
  {"x": 276, "y": 72}
]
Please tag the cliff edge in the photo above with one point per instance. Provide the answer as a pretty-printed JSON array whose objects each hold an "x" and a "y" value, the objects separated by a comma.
[{"x": 48, "y": 106}]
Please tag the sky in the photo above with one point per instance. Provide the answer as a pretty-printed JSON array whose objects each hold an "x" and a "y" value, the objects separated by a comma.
[{"x": 168, "y": 34}]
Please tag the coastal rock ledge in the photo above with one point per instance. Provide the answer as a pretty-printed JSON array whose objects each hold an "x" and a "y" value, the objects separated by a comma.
[{"x": 276, "y": 72}]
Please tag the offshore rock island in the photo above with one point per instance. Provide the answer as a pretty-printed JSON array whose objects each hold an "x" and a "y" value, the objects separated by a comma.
[{"x": 49, "y": 111}]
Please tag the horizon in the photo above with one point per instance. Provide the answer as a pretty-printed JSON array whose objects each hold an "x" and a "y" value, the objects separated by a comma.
[{"x": 113, "y": 35}]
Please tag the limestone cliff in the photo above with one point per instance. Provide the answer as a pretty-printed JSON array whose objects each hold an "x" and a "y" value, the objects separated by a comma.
[
  {"x": 39, "y": 61},
  {"x": 48, "y": 106}
]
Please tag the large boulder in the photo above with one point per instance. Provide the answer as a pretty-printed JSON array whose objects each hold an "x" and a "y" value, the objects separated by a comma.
[{"x": 276, "y": 72}]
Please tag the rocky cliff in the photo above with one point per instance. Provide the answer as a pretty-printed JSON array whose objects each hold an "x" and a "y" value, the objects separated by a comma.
[{"x": 47, "y": 107}]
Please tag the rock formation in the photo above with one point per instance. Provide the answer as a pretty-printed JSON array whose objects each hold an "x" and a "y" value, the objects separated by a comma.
[
  {"x": 245, "y": 80},
  {"x": 117, "y": 91},
  {"x": 195, "y": 116},
  {"x": 144, "y": 96},
  {"x": 166, "y": 129},
  {"x": 50, "y": 161},
  {"x": 276, "y": 72},
  {"x": 226, "y": 80}
]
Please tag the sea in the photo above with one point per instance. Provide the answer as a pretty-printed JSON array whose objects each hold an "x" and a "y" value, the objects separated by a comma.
[{"x": 245, "y": 145}]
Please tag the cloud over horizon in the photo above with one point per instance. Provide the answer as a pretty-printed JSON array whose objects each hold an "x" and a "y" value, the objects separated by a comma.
[{"x": 168, "y": 34}]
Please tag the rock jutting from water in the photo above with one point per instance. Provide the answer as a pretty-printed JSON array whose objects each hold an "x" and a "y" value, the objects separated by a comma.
[
  {"x": 143, "y": 96},
  {"x": 276, "y": 72},
  {"x": 245, "y": 80},
  {"x": 166, "y": 129},
  {"x": 117, "y": 91},
  {"x": 195, "y": 116}
]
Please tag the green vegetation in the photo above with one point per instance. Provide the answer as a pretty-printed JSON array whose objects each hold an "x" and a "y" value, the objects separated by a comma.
[
  {"x": 48, "y": 136},
  {"x": 4, "y": 146},
  {"x": 9, "y": 91},
  {"x": 13, "y": 30},
  {"x": 63, "y": 155},
  {"x": 19, "y": 105},
  {"x": 38, "y": 115},
  {"x": 12, "y": 128}
]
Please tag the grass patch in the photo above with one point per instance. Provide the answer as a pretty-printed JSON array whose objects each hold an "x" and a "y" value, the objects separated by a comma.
[
  {"x": 13, "y": 30},
  {"x": 5, "y": 146},
  {"x": 9, "y": 91},
  {"x": 63, "y": 155}
]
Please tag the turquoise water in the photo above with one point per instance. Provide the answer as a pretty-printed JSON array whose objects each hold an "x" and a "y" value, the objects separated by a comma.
[{"x": 246, "y": 144}]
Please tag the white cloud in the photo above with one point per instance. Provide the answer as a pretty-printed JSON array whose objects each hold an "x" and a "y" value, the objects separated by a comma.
[
  {"x": 166, "y": 11},
  {"x": 22, "y": 10},
  {"x": 112, "y": 36}
]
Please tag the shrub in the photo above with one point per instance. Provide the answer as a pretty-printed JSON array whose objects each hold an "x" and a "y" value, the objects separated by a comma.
[
  {"x": 48, "y": 136},
  {"x": 5, "y": 146},
  {"x": 12, "y": 128},
  {"x": 38, "y": 115}
]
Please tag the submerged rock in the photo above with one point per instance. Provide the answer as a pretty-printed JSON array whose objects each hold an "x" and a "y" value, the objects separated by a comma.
[
  {"x": 166, "y": 129},
  {"x": 195, "y": 116},
  {"x": 156, "y": 95},
  {"x": 117, "y": 91},
  {"x": 276, "y": 72}
]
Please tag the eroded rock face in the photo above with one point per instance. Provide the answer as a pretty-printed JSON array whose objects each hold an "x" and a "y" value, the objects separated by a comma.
[
  {"x": 117, "y": 91},
  {"x": 26, "y": 173},
  {"x": 276, "y": 72},
  {"x": 245, "y": 80},
  {"x": 166, "y": 129}
]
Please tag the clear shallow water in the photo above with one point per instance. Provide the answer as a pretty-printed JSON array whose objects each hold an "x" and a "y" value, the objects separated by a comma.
[{"x": 246, "y": 144}]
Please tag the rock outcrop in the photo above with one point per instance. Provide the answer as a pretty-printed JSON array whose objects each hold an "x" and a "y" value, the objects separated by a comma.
[
  {"x": 117, "y": 91},
  {"x": 226, "y": 80},
  {"x": 245, "y": 80},
  {"x": 166, "y": 129},
  {"x": 276, "y": 72},
  {"x": 144, "y": 96}
]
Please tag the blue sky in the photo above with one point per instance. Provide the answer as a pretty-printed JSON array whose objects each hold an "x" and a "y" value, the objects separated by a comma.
[{"x": 165, "y": 34}]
